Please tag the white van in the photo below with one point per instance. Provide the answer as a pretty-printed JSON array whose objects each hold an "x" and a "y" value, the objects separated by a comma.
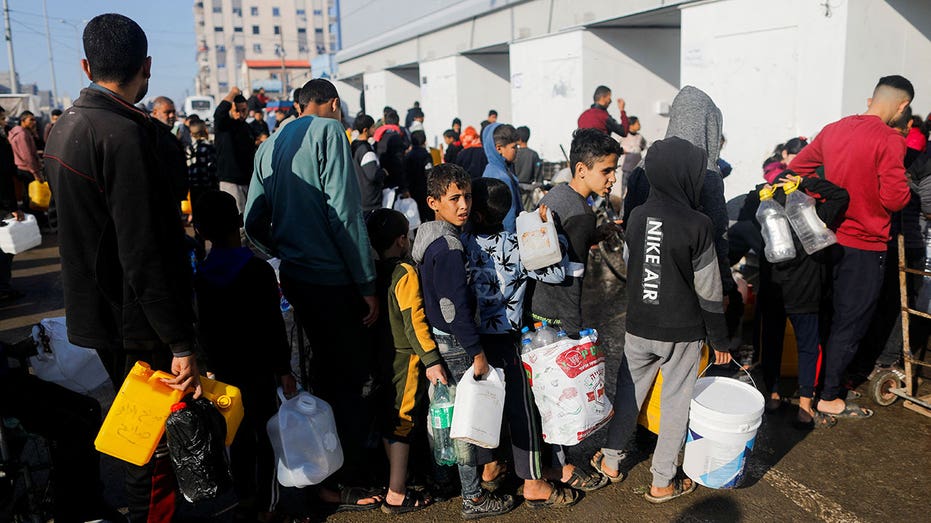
[{"x": 202, "y": 106}]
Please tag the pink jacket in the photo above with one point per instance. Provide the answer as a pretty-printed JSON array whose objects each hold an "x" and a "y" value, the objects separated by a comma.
[{"x": 24, "y": 150}]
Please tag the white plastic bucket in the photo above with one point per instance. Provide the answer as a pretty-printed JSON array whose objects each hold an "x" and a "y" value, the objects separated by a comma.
[{"x": 724, "y": 417}]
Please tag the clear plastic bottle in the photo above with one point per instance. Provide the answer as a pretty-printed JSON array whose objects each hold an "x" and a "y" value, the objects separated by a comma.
[
  {"x": 774, "y": 225},
  {"x": 561, "y": 335},
  {"x": 923, "y": 301},
  {"x": 441, "y": 419},
  {"x": 545, "y": 335},
  {"x": 526, "y": 335},
  {"x": 526, "y": 346},
  {"x": 802, "y": 215}
]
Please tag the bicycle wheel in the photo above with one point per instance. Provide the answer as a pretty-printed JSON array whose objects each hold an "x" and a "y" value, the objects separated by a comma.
[{"x": 612, "y": 255}]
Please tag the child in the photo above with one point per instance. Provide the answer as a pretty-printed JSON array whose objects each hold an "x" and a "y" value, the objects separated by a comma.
[
  {"x": 450, "y": 309},
  {"x": 593, "y": 158},
  {"x": 201, "y": 164},
  {"x": 371, "y": 176},
  {"x": 453, "y": 146},
  {"x": 405, "y": 348},
  {"x": 675, "y": 302},
  {"x": 417, "y": 165},
  {"x": 527, "y": 167},
  {"x": 500, "y": 143},
  {"x": 499, "y": 281},
  {"x": 243, "y": 334}
]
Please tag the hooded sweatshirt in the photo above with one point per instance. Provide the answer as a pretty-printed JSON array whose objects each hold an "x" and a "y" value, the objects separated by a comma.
[
  {"x": 305, "y": 206},
  {"x": 498, "y": 169},
  {"x": 444, "y": 280},
  {"x": 674, "y": 287},
  {"x": 695, "y": 118}
]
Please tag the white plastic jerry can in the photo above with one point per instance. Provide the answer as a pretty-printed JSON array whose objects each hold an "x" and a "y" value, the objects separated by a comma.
[
  {"x": 479, "y": 408},
  {"x": 303, "y": 435},
  {"x": 537, "y": 240},
  {"x": 17, "y": 237}
]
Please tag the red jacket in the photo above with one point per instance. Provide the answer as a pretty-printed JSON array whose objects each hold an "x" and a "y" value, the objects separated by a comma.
[
  {"x": 597, "y": 117},
  {"x": 863, "y": 155}
]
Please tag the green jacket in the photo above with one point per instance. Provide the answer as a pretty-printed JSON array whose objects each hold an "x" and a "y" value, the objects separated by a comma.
[
  {"x": 305, "y": 207},
  {"x": 400, "y": 291}
]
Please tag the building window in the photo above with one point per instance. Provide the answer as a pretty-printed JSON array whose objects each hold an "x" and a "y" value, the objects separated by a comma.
[
  {"x": 277, "y": 29},
  {"x": 221, "y": 48},
  {"x": 276, "y": 11},
  {"x": 318, "y": 30},
  {"x": 318, "y": 12},
  {"x": 301, "y": 12},
  {"x": 257, "y": 48},
  {"x": 254, "y": 11},
  {"x": 217, "y": 9},
  {"x": 237, "y": 29},
  {"x": 237, "y": 11},
  {"x": 255, "y": 29},
  {"x": 223, "y": 86},
  {"x": 218, "y": 29},
  {"x": 221, "y": 65}
]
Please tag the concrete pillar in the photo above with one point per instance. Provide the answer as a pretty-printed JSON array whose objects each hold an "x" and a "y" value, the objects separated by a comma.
[
  {"x": 439, "y": 96},
  {"x": 350, "y": 94},
  {"x": 397, "y": 88}
]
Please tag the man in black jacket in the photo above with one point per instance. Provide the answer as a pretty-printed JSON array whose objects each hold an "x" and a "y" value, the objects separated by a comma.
[
  {"x": 125, "y": 268},
  {"x": 170, "y": 149},
  {"x": 235, "y": 146}
]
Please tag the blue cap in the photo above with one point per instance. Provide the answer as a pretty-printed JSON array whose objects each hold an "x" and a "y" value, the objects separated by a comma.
[
  {"x": 527, "y": 329},
  {"x": 526, "y": 341}
]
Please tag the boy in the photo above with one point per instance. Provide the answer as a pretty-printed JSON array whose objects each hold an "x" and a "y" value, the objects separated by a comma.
[
  {"x": 527, "y": 167},
  {"x": 499, "y": 281},
  {"x": 405, "y": 349},
  {"x": 500, "y": 143},
  {"x": 453, "y": 146},
  {"x": 675, "y": 303},
  {"x": 450, "y": 309},
  {"x": 238, "y": 310},
  {"x": 201, "y": 164},
  {"x": 593, "y": 159},
  {"x": 371, "y": 176}
]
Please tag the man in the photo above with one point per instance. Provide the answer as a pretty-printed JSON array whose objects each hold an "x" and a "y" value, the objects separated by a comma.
[
  {"x": 863, "y": 154},
  {"x": 8, "y": 204},
  {"x": 528, "y": 167},
  {"x": 235, "y": 146},
  {"x": 293, "y": 112},
  {"x": 597, "y": 117},
  {"x": 257, "y": 101},
  {"x": 25, "y": 153},
  {"x": 170, "y": 148},
  {"x": 55, "y": 115},
  {"x": 305, "y": 208},
  {"x": 125, "y": 267},
  {"x": 258, "y": 124},
  {"x": 412, "y": 114},
  {"x": 492, "y": 116}
]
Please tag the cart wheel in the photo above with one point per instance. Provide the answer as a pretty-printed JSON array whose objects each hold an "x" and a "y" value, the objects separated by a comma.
[{"x": 880, "y": 388}]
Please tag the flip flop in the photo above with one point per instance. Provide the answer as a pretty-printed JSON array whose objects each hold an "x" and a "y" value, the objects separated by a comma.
[
  {"x": 349, "y": 498},
  {"x": 853, "y": 395},
  {"x": 851, "y": 411},
  {"x": 560, "y": 497},
  {"x": 413, "y": 501},
  {"x": 495, "y": 484},
  {"x": 818, "y": 421},
  {"x": 597, "y": 460},
  {"x": 679, "y": 489},
  {"x": 586, "y": 482}
]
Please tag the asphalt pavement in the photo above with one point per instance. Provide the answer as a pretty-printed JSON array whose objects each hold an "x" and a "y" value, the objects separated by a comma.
[{"x": 861, "y": 470}]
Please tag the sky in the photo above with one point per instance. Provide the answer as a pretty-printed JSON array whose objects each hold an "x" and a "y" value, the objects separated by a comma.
[{"x": 169, "y": 28}]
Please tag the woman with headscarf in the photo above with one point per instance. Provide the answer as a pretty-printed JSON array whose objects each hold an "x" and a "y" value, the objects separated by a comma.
[{"x": 472, "y": 156}]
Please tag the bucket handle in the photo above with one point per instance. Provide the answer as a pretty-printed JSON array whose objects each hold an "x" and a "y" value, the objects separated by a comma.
[{"x": 739, "y": 366}]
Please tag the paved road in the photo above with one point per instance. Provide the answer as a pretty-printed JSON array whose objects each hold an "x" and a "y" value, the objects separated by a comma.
[{"x": 871, "y": 470}]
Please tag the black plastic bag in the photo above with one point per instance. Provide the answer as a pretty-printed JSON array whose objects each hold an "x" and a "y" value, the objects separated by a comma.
[{"x": 196, "y": 436}]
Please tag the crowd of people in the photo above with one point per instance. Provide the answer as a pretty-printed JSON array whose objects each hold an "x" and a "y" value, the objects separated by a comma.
[{"x": 394, "y": 303}]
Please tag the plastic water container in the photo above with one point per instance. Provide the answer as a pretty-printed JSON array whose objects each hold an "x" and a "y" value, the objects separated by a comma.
[
  {"x": 777, "y": 235},
  {"x": 723, "y": 420},
  {"x": 441, "y": 418},
  {"x": 136, "y": 420},
  {"x": 479, "y": 408},
  {"x": 40, "y": 196},
  {"x": 303, "y": 434},
  {"x": 537, "y": 240},
  {"x": 228, "y": 400},
  {"x": 811, "y": 231},
  {"x": 545, "y": 335},
  {"x": 17, "y": 237},
  {"x": 526, "y": 335}
]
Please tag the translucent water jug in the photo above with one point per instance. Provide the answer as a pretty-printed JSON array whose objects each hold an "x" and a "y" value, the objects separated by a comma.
[
  {"x": 774, "y": 226},
  {"x": 537, "y": 240},
  {"x": 303, "y": 434},
  {"x": 811, "y": 231},
  {"x": 17, "y": 237}
]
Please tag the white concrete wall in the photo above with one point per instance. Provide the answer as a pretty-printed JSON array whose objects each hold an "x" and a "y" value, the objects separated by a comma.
[
  {"x": 903, "y": 48},
  {"x": 775, "y": 69},
  {"x": 547, "y": 89},
  {"x": 398, "y": 89},
  {"x": 439, "y": 95}
]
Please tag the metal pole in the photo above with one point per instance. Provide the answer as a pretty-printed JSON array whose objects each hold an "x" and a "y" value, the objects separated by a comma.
[
  {"x": 284, "y": 87},
  {"x": 51, "y": 61},
  {"x": 14, "y": 85}
]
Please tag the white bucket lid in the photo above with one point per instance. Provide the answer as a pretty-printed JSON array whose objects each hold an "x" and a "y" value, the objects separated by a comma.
[{"x": 727, "y": 400}]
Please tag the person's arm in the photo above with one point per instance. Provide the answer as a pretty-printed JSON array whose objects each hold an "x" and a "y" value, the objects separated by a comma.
[
  {"x": 267, "y": 305},
  {"x": 714, "y": 206},
  {"x": 21, "y": 149},
  {"x": 257, "y": 218},
  {"x": 407, "y": 293},
  {"x": 370, "y": 168},
  {"x": 832, "y": 200},
  {"x": 894, "y": 193},
  {"x": 613, "y": 125},
  {"x": 707, "y": 281},
  {"x": 809, "y": 158},
  {"x": 344, "y": 208},
  {"x": 451, "y": 283},
  {"x": 221, "y": 115}
]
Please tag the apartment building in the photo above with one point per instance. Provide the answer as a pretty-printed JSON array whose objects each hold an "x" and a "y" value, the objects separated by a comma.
[{"x": 261, "y": 43}]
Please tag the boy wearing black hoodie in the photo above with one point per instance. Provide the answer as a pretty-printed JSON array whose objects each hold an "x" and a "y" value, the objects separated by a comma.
[{"x": 675, "y": 303}]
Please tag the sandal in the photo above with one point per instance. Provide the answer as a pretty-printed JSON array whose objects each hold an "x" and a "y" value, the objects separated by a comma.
[
  {"x": 413, "y": 501},
  {"x": 851, "y": 411},
  {"x": 596, "y": 463},
  {"x": 819, "y": 420},
  {"x": 679, "y": 489},
  {"x": 495, "y": 484},
  {"x": 853, "y": 395},
  {"x": 560, "y": 497},
  {"x": 581, "y": 480},
  {"x": 349, "y": 498},
  {"x": 773, "y": 404}
]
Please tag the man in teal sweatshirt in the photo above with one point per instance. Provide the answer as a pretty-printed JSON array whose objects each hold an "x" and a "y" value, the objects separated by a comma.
[{"x": 305, "y": 208}]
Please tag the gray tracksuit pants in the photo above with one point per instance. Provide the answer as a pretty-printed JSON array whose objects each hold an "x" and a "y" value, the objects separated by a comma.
[{"x": 641, "y": 361}]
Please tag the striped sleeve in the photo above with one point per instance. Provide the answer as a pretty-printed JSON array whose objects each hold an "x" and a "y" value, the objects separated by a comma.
[{"x": 410, "y": 302}]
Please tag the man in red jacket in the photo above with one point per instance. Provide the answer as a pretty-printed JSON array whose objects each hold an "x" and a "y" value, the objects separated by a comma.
[
  {"x": 862, "y": 154},
  {"x": 597, "y": 117}
]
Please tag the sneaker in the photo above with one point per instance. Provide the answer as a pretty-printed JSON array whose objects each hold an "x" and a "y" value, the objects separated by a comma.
[{"x": 488, "y": 505}]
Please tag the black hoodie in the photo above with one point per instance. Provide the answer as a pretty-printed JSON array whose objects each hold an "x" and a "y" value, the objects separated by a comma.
[{"x": 674, "y": 286}]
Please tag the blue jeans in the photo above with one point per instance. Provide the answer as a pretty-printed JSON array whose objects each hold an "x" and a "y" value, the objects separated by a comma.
[{"x": 457, "y": 363}]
